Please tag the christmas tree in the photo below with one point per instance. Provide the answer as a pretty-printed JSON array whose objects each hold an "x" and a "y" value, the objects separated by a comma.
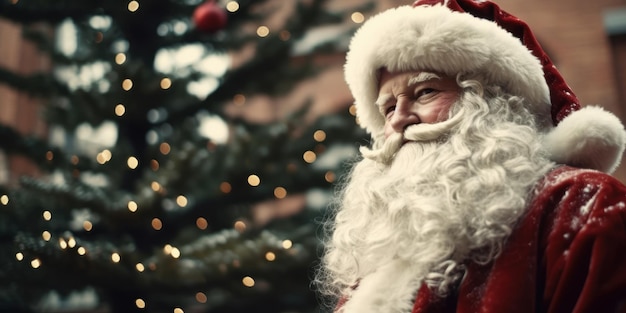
[{"x": 154, "y": 192}]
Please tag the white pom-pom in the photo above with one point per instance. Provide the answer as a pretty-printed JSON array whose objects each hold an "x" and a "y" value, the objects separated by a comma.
[{"x": 589, "y": 138}]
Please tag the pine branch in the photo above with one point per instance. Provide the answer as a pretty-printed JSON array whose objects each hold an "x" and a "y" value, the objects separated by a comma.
[{"x": 34, "y": 148}]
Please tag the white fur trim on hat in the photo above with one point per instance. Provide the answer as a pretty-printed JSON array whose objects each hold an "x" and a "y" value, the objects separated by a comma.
[
  {"x": 437, "y": 39},
  {"x": 589, "y": 138}
]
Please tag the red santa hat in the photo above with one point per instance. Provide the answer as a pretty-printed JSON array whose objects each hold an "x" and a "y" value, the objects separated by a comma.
[{"x": 468, "y": 36}]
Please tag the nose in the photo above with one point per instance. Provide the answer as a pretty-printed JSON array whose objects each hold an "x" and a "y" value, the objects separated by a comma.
[{"x": 402, "y": 117}]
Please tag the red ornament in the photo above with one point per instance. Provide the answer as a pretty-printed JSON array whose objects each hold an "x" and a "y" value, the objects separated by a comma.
[{"x": 209, "y": 17}]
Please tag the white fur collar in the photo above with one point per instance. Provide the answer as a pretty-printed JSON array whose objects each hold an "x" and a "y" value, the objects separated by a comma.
[{"x": 390, "y": 289}]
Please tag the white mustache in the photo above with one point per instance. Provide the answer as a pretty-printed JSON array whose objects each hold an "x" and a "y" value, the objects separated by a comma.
[{"x": 417, "y": 132}]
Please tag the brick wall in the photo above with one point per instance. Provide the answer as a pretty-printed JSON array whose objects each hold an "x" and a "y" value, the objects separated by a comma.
[
  {"x": 618, "y": 44},
  {"x": 18, "y": 109}
]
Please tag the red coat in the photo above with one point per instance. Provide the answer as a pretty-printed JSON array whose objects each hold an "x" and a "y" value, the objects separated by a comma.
[{"x": 568, "y": 254}]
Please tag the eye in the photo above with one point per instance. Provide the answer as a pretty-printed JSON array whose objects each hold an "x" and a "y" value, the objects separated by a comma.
[
  {"x": 388, "y": 110},
  {"x": 424, "y": 92}
]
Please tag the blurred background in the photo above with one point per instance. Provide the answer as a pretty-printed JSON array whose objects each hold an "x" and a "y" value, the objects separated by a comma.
[{"x": 179, "y": 155}]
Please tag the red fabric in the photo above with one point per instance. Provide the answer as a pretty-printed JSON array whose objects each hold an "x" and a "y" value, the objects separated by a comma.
[
  {"x": 561, "y": 96},
  {"x": 567, "y": 255}
]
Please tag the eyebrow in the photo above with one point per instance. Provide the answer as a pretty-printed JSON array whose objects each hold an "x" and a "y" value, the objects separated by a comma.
[
  {"x": 417, "y": 79},
  {"x": 422, "y": 77},
  {"x": 382, "y": 100}
]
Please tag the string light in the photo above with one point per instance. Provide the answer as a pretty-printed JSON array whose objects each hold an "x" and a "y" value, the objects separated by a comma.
[
  {"x": 319, "y": 135},
  {"x": 107, "y": 154},
  {"x": 104, "y": 156},
  {"x": 46, "y": 235},
  {"x": 120, "y": 110},
  {"x": 225, "y": 187},
  {"x": 115, "y": 257},
  {"x": 239, "y": 99},
  {"x": 154, "y": 165},
  {"x": 248, "y": 281},
  {"x": 74, "y": 159},
  {"x": 49, "y": 155},
  {"x": 36, "y": 263},
  {"x": 170, "y": 250},
  {"x": 155, "y": 186},
  {"x": 357, "y": 17},
  {"x": 165, "y": 148},
  {"x": 240, "y": 226},
  {"x": 140, "y": 304},
  {"x": 133, "y": 6},
  {"x": 201, "y": 297},
  {"x": 181, "y": 201},
  {"x": 352, "y": 110},
  {"x": 127, "y": 84},
  {"x": 132, "y": 206},
  {"x": 19, "y": 256},
  {"x": 62, "y": 243},
  {"x": 175, "y": 253},
  {"x": 263, "y": 31},
  {"x": 71, "y": 242},
  {"x": 157, "y": 224},
  {"x": 329, "y": 176},
  {"x": 132, "y": 162},
  {"x": 100, "y": 159},
  {"x": 4, "y": 199},
  {"x": 87, "y": 225},
  {"x": 202, "y": 223},
  {"x": 140, "y": 268},
  {"x": 167, "y": 249},
  {"x": 309, "y": 156},
  {"x": 254, "y": 180},
  {"x": 287, "y": 244},
  {"x": 280, "y": 192},
  {"x": 178, "y": 310},
  {"x": 232, "y": 6},
  {"x": 120, "y": 58},
  {"x": 47, "y": 216},
  {"x": 270, "y": 256},
  {"x": 82, "y": 251},
  {"x": 166, "y": 83}
]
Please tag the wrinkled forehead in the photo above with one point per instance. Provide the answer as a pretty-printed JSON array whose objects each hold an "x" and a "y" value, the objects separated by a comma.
[{"x": 421, "y": 75}]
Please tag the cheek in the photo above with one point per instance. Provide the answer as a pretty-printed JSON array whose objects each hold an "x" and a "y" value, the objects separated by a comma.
[
  {"x": 388, "y": 130},
  {"x": 435, "y": 113},
  {"x": 441, "y": 109}
]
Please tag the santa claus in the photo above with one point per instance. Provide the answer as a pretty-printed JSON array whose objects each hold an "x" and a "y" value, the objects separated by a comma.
[{"x": 485, "y": 188}]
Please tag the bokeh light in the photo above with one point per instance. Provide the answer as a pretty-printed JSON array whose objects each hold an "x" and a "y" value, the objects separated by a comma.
[{"x": 263, "y": 31}]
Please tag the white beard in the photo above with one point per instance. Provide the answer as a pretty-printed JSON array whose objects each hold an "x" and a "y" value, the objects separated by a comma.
[{"x": 436, "y": 205}]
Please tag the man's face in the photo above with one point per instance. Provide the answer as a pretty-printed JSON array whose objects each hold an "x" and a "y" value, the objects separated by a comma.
[{"x": 407, "y": 98}]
